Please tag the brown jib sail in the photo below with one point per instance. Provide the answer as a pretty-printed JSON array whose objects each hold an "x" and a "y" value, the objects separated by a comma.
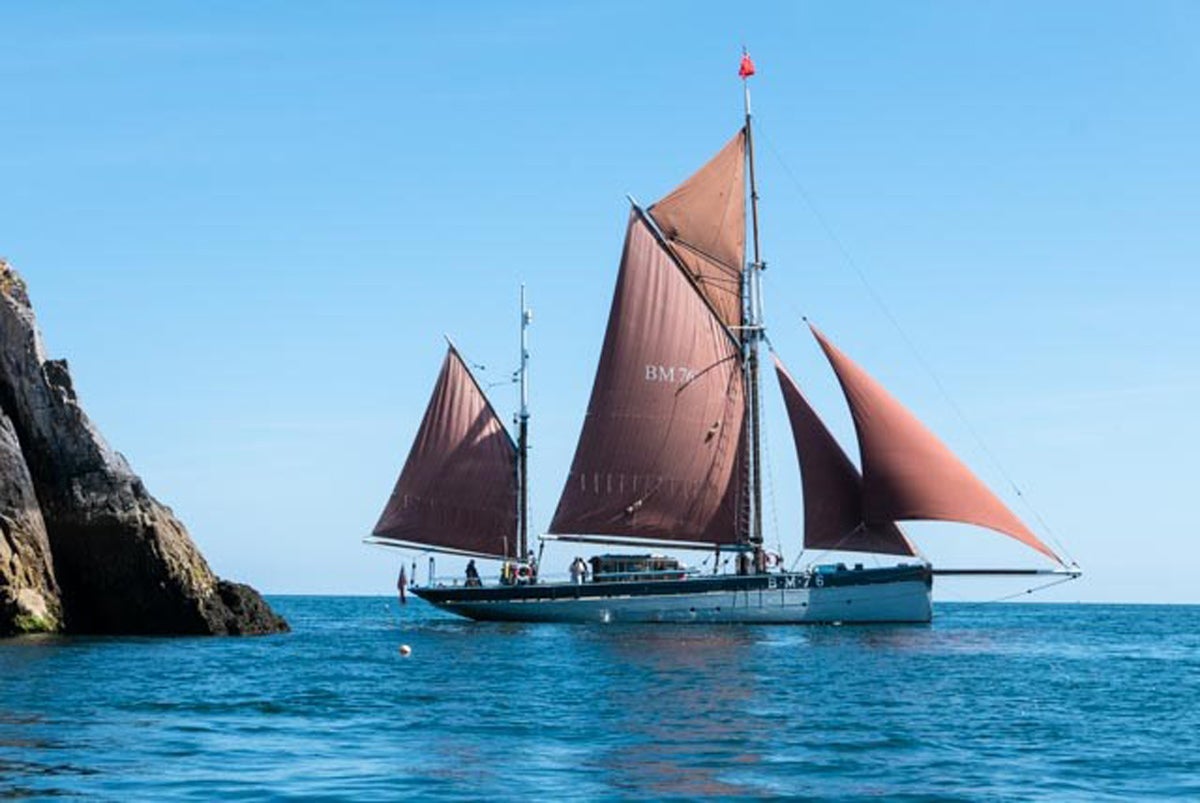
[
  {"x": 832, "y": 486},
  {"x": 907, "y": 472},
  {"x": 458, "y": 490},
  {"x": 658, "y": 457}
]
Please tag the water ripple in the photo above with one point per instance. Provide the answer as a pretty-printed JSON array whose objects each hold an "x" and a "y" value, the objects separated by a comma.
[{"x": 994, "y": 702}]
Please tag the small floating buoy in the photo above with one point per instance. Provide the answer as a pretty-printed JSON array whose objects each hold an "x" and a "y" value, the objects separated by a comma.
[{"x": 405, "y": 650}]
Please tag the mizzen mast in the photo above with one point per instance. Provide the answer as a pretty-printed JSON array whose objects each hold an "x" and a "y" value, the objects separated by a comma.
[
  {"x": 523, "y": 436},
  {"x": 752, "y": 335}
]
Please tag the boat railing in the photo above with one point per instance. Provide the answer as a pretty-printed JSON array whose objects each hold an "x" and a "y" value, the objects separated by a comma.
[{"x": 681, "y": 573}]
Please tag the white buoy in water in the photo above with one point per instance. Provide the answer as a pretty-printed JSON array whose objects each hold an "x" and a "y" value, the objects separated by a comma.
[{"x": 405, "y": 650}]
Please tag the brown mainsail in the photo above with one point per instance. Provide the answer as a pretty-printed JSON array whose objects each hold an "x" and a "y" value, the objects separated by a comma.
[
  {"x": 658, "y": 457},
  {"x": 458, "y": 489},
  {"x": 704, "y": 220},
  {"x": 907, "y": 472},
  {"x": 832, "y": 486}
]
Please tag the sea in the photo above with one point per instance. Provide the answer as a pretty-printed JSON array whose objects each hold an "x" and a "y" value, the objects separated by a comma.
[{"x": 989, "y": 702}]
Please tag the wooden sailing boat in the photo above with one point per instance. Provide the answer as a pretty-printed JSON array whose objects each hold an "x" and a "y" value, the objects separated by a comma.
[{"x": 669, "y": 452}]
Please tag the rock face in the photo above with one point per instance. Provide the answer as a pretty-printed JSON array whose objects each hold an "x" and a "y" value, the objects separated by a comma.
[
  {"x": 29, "y": 598},
  {"x": 122, "y": 560}
]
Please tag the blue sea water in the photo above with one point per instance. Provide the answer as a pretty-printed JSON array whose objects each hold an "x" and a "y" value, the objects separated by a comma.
[{"x": 990, "y": 702}]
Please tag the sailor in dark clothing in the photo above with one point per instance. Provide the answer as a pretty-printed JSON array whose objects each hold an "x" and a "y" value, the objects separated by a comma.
[{"x": 473, "y": 574}]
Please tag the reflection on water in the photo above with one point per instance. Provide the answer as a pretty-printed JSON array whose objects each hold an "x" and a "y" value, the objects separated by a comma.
[
  {"x": 1089, "y": 701},
  {"x": 27, "y": 756},
  {"x": 686, "y": 709}
]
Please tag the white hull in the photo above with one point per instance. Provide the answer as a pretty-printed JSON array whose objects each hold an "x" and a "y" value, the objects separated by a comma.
[{"x": 771, "y": 599}]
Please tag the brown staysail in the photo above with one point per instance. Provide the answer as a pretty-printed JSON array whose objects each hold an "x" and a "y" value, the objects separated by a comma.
[
  {"x": 458, "y": 489},
  {"x": 907, "y": 472},
  {"x": 658, "y": 457},
  {"x": 832, "y": 486},
  {"x": 704, "y": 220}
]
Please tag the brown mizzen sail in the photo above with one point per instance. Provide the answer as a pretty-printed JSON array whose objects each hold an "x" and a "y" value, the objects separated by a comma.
[
  {"x": 907, "y": 472},
  {"x": 658, "y": 457},
  {"x": 704, "y": 220},
  {"x": 458, "y": 490},
  {"x": 832, "y": 486}
]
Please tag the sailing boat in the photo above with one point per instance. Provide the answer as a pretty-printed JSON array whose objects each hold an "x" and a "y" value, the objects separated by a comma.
[{"x": 669, "y": 455}]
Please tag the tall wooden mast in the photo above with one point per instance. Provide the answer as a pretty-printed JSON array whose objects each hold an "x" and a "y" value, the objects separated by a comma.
[
  {"x": 752, "y": 335},
  {"x": 523, "y": 436}
]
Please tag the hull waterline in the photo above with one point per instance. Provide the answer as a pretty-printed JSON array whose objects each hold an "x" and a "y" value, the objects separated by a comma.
[{"x": 901, "y": 594}]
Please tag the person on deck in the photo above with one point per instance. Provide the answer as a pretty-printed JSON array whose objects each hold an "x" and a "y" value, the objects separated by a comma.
[
  {"x": 577, "y": 571},
  {"x": 472, "y": 574}
]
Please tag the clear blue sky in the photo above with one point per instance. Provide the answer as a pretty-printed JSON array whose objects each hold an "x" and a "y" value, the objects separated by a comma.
[{"x": 247, "y": 226}]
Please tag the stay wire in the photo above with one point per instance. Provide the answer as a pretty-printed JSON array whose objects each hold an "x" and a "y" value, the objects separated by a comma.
[
  {"x": 883, "y": 307},
  {"x": 1005, "y": 598},
  {"x": 765, "y": 440},
  {"x": 1036, "y": 589}
]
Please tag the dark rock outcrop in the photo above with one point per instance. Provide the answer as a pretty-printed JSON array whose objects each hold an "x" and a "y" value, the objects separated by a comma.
[{"x": 122, "y": 560}]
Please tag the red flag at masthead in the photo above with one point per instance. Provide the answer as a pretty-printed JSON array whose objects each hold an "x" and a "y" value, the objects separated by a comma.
[{"x": 746, "y": 69}]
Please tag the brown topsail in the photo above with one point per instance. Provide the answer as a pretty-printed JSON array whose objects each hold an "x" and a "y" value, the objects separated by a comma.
[{"x": 668, "y": 454}]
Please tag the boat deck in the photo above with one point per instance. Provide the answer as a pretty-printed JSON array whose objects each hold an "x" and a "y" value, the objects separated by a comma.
[{"x": 839, "y": 577}]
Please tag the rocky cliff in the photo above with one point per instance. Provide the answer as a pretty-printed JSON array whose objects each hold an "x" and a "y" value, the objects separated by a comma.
[
  {"x": 84, "y": 547},
  {"x": 29, "y": 597}
]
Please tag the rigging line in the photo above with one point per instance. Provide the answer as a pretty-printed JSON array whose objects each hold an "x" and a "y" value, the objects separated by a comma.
[
  {"x": 824, "y": 553},
  {"x": 700, "y": 252},
  {"x": 765, "y": 440},
  {"x": 879, "y": 302},
  {"x": 1036, "y": 589},
  {"x": 512, "y": 380},
  {"x": 838, "y": 547},
  {"x": 467, "y": 364},
  {"x": 704, "y": 371},
  {"x": 644, "y": 217},
  {"x": 1007, "y": 597}
]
